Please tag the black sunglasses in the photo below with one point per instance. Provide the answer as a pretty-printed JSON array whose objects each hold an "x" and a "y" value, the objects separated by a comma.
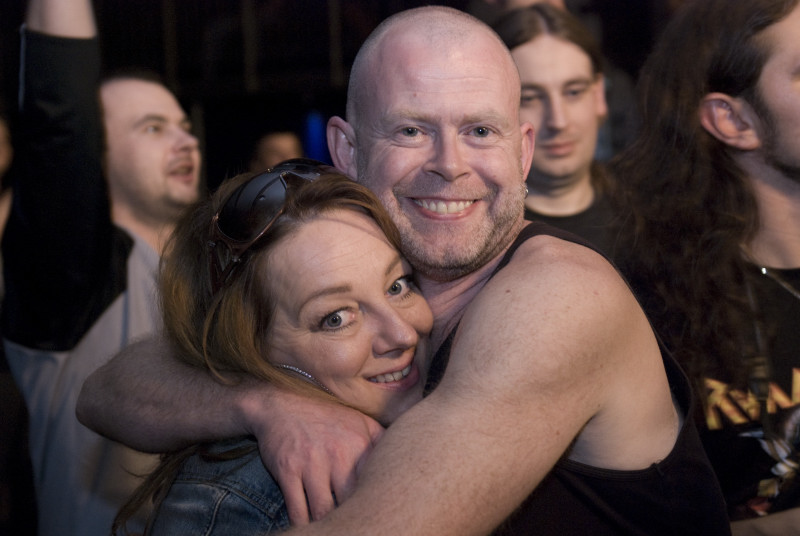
[{"x": 250, "y": 211}]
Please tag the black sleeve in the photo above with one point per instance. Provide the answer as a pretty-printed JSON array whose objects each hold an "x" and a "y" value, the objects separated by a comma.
[{"x": 58, "y": 248}]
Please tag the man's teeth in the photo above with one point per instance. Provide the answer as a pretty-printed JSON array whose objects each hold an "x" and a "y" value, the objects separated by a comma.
[
  {"x": 392, "y": 376},
  {"x": 441, "y": 207}
]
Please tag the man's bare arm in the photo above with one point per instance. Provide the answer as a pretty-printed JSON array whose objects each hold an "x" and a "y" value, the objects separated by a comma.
[
  {"x": 154, "y": 403},
  {"x": 536, "y": 359},
  {"x": 149, "y": 400},
  {"x": 71, "y": 18}
]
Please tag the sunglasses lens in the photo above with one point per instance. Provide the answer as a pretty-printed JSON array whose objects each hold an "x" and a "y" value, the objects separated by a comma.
[
  {"x": 303, "y": 168},
  {"x": 258, "y": 200},
  {"x": 250, "y": 206},
  {"x": 250, "y": 211}
]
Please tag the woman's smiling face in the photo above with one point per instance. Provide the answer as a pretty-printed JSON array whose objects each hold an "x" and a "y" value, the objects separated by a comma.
[{"x": 348, "y": 313}]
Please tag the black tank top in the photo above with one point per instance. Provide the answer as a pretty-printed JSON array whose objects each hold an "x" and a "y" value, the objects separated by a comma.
[{"x": 678, "y": 496}]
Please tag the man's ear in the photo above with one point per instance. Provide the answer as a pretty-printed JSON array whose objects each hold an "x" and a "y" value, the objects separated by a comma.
[
  {"x": 342, "y": 145},
  {"x": 526, "y": 154},
  {"x": 600, "y": 104},
  {"x": 731, "y": 120}
]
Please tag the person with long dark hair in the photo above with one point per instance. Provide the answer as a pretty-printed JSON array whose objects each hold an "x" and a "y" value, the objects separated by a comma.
[{"x": 711, "y": 239}]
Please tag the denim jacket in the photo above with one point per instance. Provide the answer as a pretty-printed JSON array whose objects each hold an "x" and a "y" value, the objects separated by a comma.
[{"x": 222, "y": 497}]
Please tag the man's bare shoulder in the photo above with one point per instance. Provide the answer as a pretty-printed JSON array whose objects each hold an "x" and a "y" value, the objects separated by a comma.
[
  {"x": 544, "y": 261},
  {"x": 548, "y": 248},
  {"x": 551, "y": 331},
  {"x": 556, "y": 306}
]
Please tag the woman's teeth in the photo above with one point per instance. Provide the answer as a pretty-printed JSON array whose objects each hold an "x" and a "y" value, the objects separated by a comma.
[{"x": 392, "y": 376}]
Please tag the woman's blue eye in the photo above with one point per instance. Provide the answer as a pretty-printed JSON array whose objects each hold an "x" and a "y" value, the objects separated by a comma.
[
  {"x": 396, "y": 288},
  {"x": 333, "y": 320},
  {"x": 401, "y": 286}
]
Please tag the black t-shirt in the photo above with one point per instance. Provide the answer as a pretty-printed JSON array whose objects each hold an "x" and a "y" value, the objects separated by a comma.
[
  {"x": 755, "y": 477},
  {"x": 593, "y": 224}
]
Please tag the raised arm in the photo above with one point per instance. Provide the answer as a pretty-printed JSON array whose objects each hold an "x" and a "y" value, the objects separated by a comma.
[
  {"x": 536, "y": 358},
  {"x": 786, "y": 523},
  {"x": 149, "y": 400},
  {"x": 58, "y": 241},
  {"x": 62, "y": 18}
]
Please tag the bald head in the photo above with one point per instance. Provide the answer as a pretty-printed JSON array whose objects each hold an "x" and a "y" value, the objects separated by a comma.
[
  {"x": 420, "y": 32},
  {"x": 433, "y": 128}
]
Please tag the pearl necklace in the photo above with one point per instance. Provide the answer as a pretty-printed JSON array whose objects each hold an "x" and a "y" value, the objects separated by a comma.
[{"x": 781, "y": 281}]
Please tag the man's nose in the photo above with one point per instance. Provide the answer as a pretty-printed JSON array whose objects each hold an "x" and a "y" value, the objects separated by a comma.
[{"x": 448, "y": 161}]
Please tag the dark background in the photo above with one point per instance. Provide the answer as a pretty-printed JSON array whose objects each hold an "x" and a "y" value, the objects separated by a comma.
[{"x": 241, "y": 67}]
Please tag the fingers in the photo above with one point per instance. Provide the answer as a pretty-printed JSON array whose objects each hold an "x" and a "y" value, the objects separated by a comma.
[
  {"x": 305, "y": 480},
  {"x": 305, "y": 477},
  {"x": 295, "y": 497},
  {"x": 319, "y": 494},
  {"x": 344, "y": 482},
  {"x": 313, "y": 450}
]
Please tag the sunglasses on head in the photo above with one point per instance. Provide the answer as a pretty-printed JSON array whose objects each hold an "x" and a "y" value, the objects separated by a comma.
[{"x": 249, "y": 212}]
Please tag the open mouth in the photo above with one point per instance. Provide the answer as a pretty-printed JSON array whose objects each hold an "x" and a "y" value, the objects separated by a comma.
[{"x": 182, "y": 170}]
